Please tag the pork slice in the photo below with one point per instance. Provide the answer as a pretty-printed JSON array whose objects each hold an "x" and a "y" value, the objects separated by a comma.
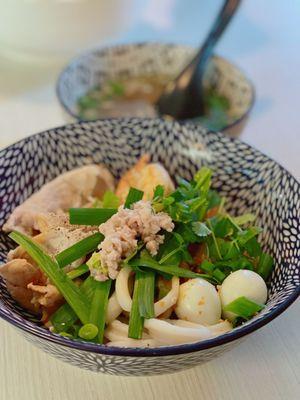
[{"x": 71, "y": 189}]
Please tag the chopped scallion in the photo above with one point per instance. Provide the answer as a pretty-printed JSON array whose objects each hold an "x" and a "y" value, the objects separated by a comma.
[
  {"x": 64, "y": 284},
  {"x": 88, "y": 331},
  {"x": 79, "y": 249},
  {"x": 90, "y": 216},
  {"x": 133, "y": 196},
  {"x": 76, "y": 272},
  {"x": 136, "y": 321},
  {"x": 244, "y": 307},
  {"x": 99, "y": 306},
  {"x": 146, "y": 294}
]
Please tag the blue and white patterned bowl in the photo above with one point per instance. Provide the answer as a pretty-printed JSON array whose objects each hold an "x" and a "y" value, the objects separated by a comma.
[
  {"x": 94, "y": 67},
  {"x": 250, "y": 180}
]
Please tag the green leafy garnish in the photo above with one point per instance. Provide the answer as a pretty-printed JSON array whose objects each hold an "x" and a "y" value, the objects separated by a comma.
[
  {"x": 136, "y": 321},
  {"x": 79, "y": 249},
  {"x": 94, "y": 264},
  {"x": 244, "y": 307},
  {"x": 99, "y": 306},
  {"x": 90, "y": 216},
  {"x": 110, "y": 200},
  {"x": 64, "y": 284},
  {"x": 133, "y": 196}
]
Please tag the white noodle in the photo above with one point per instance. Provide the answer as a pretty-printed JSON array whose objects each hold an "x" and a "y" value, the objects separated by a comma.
[
  {"x": 217, "y": 329},
  {"x": 117, "y": 330},
  {"x": 125, "y": 299},
  {"x": 122, "y": 289},
  {"x": 169, "y": 334},
  {"x": 169, "y": 300},
  {"x": 113, "y": 309}
]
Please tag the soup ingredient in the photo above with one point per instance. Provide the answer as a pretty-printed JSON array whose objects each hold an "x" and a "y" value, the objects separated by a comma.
[
  {"x": 198, "y": 302},
  {"x": 79, "y": 249},
  {"x": 144, "y": 176},
  {"x": 99, "y": 306},
  {"x": 169, "y": 332},
  {"x": 127, "y": 97},
  {"x": 136, "y": 97},
  {"x": 242, "y": 283},
  {"x": 88, "y": 331},
  {"x": 152, "y": 244},
  {"x": 121, "y": 234},
  {"x": 216, "y": 111},
  {"x": 244, "y": 307},
  {"x": 67, "y": 288},
  {"x": 71, "y": 189}
]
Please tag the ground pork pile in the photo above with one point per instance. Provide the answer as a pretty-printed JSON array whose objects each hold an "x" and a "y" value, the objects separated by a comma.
[{"x": 123, "y": 230}]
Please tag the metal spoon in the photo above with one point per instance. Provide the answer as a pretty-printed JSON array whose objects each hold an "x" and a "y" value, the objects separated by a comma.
[{"x": 183, "y": 98}]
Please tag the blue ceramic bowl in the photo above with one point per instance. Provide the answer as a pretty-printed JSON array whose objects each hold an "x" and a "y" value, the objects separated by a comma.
[
  {"x": 250, "y": 180},
  {"x": 97, "y": 66}
]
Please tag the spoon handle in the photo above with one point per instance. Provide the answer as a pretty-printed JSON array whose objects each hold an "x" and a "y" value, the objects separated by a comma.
[
  {"x": 183, "y": 97},
  {"x": 228, "y": 10}
]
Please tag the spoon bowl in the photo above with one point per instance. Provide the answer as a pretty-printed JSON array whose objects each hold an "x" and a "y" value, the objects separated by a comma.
[{"x": 183, "y": 98}]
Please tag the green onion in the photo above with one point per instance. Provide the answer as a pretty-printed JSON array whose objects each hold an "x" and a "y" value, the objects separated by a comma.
[
  {"x": 88, "y": 331},
  {"x": 149, "y": 262},
  {"x": 64, "y": 318},
  {"x": 136, "y": 321},
  {"x": 146, "y": 294},
  {"x": 64, "y": 284},
  {"x": 90, "y": 216},
  {"x": 244, "y": 307},
  {"x": 265, "y": 265},
  {"x": 200, "y": 229},
  {"x": 133, "y": 196},
  {"x": 214, "y": 240},
  {"x": 99, "y": 306},
  {"x": 218, "y": 275},
  {"x": 79, "y": 249},
  {"x": 76, "y": 272},
  {"x": 110, "y": 200}
]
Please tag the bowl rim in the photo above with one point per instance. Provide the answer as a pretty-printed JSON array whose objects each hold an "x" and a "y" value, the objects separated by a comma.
[
  {"x": 73, "y": 60},
  {"x": 186, "y": 348}
]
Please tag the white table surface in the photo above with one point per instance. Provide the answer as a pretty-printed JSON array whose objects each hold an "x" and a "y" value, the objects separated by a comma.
[{"x": 264, "y": 40}]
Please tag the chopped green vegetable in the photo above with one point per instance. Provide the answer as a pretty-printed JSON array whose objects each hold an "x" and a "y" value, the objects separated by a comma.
[
  {"x": 265, "y": 265},
  {"x": 64, "y": 284},
  {"x": 94, "y": 263},
  {"x": 76, "y": 272},
  {"x": 244, "y": 307},
  {"x": 244, "y": 236},
  {"x": 158, "y": 191},
  {"x": 133, "y": 196},
  {"x": 88, "y": 331},
  {"x": 146, "y": 261},
  {"x": 200, "y": 229},
  {"x": 146, "y": 294},
  {"x": 79, "y": 249},
  {"x": 136, "y": 321},
  {"x": 99, "y": 306},
  {"x": 64, "y": 318},
  {"x": 110, "y": 200},
  {"x": 90, "y": 216}
]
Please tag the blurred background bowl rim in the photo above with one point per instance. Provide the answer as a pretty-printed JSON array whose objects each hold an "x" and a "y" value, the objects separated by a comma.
[
  {"x": 117, "y": 46},
  {"x": 229, "y": 337}
]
